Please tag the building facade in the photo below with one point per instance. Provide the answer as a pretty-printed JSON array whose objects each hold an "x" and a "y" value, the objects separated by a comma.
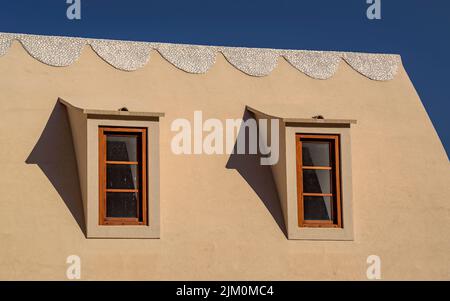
[{"x": 66, "y": 102}]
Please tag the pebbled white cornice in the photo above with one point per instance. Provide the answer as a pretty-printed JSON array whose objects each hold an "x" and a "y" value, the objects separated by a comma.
[{"x": 130, "y": 56}]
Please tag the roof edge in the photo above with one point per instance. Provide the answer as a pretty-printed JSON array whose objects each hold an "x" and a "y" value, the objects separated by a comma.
[{"x": 61, "y": 51}]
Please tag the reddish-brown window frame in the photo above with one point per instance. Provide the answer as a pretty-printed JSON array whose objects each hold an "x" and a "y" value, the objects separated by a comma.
[
  {"x": 142, "y": 202},
  {"x": 336, "y": 222}
]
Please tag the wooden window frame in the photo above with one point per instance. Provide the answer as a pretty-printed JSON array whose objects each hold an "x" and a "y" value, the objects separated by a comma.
[
  {"x": 142, "y": 167},
  {"x": 336, "y": 222}
]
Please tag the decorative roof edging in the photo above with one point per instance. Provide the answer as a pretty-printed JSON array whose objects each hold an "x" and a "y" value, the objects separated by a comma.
[{"x": 130, "y": 56}]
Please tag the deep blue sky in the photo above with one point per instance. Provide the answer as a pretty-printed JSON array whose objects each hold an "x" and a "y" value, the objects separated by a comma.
[{"x": 419, "y": 30}]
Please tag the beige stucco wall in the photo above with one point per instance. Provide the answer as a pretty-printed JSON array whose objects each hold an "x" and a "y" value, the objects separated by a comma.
[{"x": 213, "y": 224}]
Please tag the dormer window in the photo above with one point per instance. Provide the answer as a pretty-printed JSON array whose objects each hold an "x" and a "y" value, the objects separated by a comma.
[
  {"x": 313, "y": 176},
  {"x": 318, "y": 181},
  {"x": 122, "y": 176},
  {"x": 117, "y": 154}
]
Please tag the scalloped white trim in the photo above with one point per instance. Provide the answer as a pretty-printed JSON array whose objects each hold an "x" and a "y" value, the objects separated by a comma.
[{"x": 130, "y": 56}]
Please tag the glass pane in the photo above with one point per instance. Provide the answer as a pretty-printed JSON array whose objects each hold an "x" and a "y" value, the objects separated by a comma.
[
  {"x": 121, "y": 204},
  {"x": 317, "y": 181},
  {"x": 122, "y": 176},
  {"x": 316, "y": 153},
  {"x": 121, "y": 148},
  {"x": 317, "y": 208}
]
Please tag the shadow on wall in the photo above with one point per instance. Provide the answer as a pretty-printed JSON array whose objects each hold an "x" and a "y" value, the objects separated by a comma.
[
  {"x": 55, "y": 156},
  {"x": 259, "y": 177}
]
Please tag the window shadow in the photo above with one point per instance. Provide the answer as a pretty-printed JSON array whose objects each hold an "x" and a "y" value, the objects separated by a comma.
[
  {"x": 54, "y": 154},
  {"x": 258, "y": 177}
]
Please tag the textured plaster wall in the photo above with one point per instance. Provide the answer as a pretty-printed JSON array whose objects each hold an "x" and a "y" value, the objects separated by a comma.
[{"x": 214, "y": 224}]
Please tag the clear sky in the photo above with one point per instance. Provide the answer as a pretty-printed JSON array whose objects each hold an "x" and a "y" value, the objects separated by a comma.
[{"x": 419, "y": 30}]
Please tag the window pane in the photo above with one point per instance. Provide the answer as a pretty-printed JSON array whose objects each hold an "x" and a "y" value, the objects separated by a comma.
[
  {"x": 316, "y": 181},
  {"x": 317, "y": 208},
  {"x": 122, "y": 176},
  {"x": 316, "y": 153},
  {"x": 121, "y": 204},
  {"x": 121, "y": 148}
]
